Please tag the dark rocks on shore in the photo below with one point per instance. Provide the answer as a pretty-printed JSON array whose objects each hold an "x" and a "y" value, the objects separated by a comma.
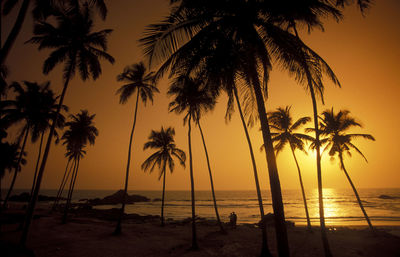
[
  {"x": 116, "y": 198},
  {"x": 387, "y": 197},
  {"x": 269, "y": 220},
  {"x": 25, "y": 197}
]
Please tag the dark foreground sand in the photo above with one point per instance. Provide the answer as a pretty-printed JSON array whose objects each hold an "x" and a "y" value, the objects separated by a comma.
[{"x": 92, "y": 237}]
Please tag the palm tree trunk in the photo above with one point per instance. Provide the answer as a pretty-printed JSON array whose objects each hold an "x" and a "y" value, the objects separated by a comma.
[
  {"x": 163, "y": 195},
  {"x": 194, "y": 232},
  {"x": 264, "y": 248},
  {"x": 32, "y": 203},
  {"x": 211, "y": 179},
  {"x": 324, "y": 237},
  {"x": 5, "y": 50},
  {"x": 17, "y": 166},
  {"x": 302, "y": 190},
  {"x": 69, "y": 196},
  {"x": 356, "y": 194},
  {"x": 118, "y": 228},
  {"x": 37, "y": 165},
  {"x": 62, "y": 185},
  {"x": 276, "y": 193}
]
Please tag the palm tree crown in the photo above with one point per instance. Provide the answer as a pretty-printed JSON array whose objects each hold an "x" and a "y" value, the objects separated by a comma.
[
  {"x": 192, "y": 96},
  {"x": 81, "y": 131},
  {"x": 138, "y": 80},
  {"x": 281, "y": 121},
  {"x": 334, "y": 127},
  {"x": 163, "y": 140},
  {"x": 74, "y": 43}
]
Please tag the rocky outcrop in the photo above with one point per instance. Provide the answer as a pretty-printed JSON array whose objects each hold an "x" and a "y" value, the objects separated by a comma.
[{"x": 116, "y": 198}]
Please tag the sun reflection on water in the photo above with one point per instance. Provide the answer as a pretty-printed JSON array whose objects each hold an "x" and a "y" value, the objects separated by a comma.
[{"x": 332, "y": 209}]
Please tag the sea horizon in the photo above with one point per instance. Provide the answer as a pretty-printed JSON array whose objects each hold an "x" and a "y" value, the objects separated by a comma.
[{"x": 341, "y": 207}]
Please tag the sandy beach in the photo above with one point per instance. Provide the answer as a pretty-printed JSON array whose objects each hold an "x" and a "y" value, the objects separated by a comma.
[{"x": 90, "y": 236}]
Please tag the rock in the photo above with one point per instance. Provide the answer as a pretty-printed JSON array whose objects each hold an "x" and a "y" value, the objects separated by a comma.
[
  {"x": 387, "y": 197},
  {"x": 156, "y": 200},
  {"x": 116, "y": 198},
  {"x": 268, "y": 220}
]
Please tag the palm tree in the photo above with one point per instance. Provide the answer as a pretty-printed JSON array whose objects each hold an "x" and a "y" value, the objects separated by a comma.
[
  {"x": 141, "y": 82},
  {"x": 282, "y": 122},
  {"x": 334, "y": 126},
  {"x": 42, "y": 9},
  {"x": 80, "y": 132},
  {"x": 164, "y": 142},
  {"x": 80, "y": 48},
  {"x": 219, "y": 67},
  {"x": 192, "y": 97},
  {"x": 9, "y": 157},
  {"x": 34, "y": 105}
]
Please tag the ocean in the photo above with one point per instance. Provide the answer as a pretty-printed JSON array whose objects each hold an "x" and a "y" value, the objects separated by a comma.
[{"x": 341, "y": 207}]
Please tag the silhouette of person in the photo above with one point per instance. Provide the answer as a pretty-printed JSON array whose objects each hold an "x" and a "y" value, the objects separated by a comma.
[{"x": 233, "y": 219}]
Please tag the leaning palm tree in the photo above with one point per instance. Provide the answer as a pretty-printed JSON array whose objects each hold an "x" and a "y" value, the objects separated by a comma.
[
  {"x": 75, "y": 44},
  {"x": 164, "y": 142},
  {"x": 81, "y": 131},
  {"x": 193, "y": 98},
  {"x": 142, "y": 82},
  {"x": 334, "y": 126},
  {"x": 282, "y": 122}
]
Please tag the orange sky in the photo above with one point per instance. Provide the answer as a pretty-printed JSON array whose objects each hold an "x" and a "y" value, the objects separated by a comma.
[{"x": 363, "y": 52}]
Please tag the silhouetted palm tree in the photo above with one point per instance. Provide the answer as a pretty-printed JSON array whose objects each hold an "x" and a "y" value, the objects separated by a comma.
[
  {"x": 282, "y": 122},
  {"x": 9, "y": 157},
  {"x": 81, "y": 131},
  {"x": 42, "y": 9},
  {"x": 77, "y": 46},
  {"x": 141, "y": 82},
  {"x": 163, "y": 141},
  {"x": 219, "y": 66},
  {"x": 35, "y": 106},
  {"x": 193, "y": 98},
  {"x": 334, "y": 126}
]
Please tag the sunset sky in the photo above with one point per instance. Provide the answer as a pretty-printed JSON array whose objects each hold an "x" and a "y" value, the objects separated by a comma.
[{"x": 364, "y": 52}]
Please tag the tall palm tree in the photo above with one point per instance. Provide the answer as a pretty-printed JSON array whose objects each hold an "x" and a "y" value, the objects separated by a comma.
[
  {"x": 193, "y": 98},
  {"x": 220, "y": 66},
  {"x": 42, "y": 9},
  {"x": 142, "y": 82},
  {"x": 334, "y": 126},
  {"x": 34, "y": 106},
  {"x": 163, "y": 141},
  {"x": 81, "y": 131},
  {"x": 282, "y": 122},
  {"x": 80, "y": 48}
]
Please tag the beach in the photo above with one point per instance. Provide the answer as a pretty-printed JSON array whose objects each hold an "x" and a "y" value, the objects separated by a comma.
[{"x": 91, "y": 235}]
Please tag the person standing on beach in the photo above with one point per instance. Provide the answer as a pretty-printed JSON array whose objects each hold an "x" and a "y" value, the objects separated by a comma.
[{"x": 233, "y": 219}]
